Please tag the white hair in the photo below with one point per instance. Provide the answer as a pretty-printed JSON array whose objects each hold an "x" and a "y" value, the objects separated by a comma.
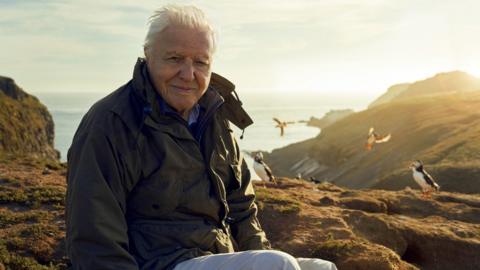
[{"x": 188, "y": 15}]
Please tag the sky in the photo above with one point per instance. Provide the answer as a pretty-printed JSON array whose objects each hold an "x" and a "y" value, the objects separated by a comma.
[{"x": 335, "y": 49}]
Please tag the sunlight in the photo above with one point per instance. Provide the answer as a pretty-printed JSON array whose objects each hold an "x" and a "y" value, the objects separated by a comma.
[{"x": 475, "y": 71}]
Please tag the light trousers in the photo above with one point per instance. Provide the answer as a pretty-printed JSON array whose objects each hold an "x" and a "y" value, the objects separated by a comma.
[{"x": 254, "y": 260}]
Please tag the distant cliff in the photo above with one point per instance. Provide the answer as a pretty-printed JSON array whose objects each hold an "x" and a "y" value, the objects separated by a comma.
[
  {"x": 392, "y": 93},
  {"x": 329, "y": 118},
  {"x": 442, "y": 130},
  {"x": 440, "y": 84},
  {"x": 26, "y": 126}
]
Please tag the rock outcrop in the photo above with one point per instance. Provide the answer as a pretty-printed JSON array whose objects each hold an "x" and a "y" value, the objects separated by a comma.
[
  {"x": 372, "y": 229},
  {"x": 26, "y": 126},
  {"x": 329, "y": 118}
]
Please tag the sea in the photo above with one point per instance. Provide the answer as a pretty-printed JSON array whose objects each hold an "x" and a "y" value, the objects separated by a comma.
[{"x": 67, "y": 110}]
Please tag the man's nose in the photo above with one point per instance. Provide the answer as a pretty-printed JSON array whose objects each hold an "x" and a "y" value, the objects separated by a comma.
[{"x": 187, "y": 71}]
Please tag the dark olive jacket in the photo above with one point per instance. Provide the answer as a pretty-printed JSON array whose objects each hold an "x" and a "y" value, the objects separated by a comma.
[{"x": 144, "y": 192}]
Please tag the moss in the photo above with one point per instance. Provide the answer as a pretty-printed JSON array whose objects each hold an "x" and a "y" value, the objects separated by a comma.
[
  {"x": 18, "y": 262},
  {"x": 30, "y": 247},
  {"x": 333, "y": 249},
  {"x": 32, "y": 196},
  {"x": 8, "y": 218},
  {"x": 279, "y": 201},
  {"x": 9, "y": 195}
]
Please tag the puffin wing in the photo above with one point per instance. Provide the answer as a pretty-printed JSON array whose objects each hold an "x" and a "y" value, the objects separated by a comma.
[
  {"x": 382, "y": 139},
  {"x": 269, "y": 171},
  {"x": 429, "y": 180},
  {"x": 260, "y": 171},
  {"x": 277, "y": 120},
  {"x": 282, "y": 131}
]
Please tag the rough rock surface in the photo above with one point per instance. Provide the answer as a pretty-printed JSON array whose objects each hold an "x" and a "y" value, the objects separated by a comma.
[{"x": 372, "y": 229}]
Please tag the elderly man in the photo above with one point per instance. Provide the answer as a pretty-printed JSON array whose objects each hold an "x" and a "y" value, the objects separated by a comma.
[{"x": 156, "y": 179}]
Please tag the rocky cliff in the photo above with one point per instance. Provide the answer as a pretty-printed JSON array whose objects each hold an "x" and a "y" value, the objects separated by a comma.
[
  {"x": 26, "y": 126},
  {"x": 440, "y": 84}
]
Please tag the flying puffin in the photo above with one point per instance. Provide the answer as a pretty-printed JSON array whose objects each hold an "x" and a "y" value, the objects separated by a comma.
[
  {"x": 282, "y": 125},
  {"x": 262, "y": 170},
  {"x": 423, "y": 179},
  {"x": 375, "y": 138}
]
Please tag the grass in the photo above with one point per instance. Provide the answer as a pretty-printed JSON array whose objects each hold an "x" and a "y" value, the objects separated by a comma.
[
  {"x": 277, "y": 200},
  {"x": 31, "y": 213},
  {"x": 32, "y": 196},
  {"x": 17, "y": 262},
  {"x": 9, "y": 218}
]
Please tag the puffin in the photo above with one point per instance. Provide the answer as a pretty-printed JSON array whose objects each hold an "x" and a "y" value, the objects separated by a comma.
[
  {"x": 374, "y": 138},
  {"x": 262, "y": 169},
  {"x": 423, "y": 179},
  {"x": 282, "y": 125}
]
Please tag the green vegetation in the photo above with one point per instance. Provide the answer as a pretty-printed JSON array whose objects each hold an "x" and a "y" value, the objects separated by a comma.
[
  {"x": 333, "y": 249},
  {"x": 14, "y": 261},
  {"x": 278, "y": 201},
  {"x": 9, "y": 218},
  {"x": 32, "y": 196}
]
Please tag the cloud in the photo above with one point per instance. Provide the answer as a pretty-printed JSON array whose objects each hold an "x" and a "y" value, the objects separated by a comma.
[{"x": 273, "y": 38}]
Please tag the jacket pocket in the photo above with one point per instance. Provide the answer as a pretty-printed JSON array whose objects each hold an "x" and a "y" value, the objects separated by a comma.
[
  {"x": 156, "y": 195},
  {"x": 152, "y": 239}
]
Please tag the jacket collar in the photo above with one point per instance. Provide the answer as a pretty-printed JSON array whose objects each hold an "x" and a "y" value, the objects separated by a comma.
[{"x": 219, "y": 89}]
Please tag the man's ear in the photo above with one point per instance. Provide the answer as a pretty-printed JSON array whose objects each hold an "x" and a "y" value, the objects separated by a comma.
[{"x": 146, "y": 52}]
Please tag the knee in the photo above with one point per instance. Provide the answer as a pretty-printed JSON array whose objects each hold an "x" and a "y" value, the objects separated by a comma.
[{"x": 274, "y": 259}]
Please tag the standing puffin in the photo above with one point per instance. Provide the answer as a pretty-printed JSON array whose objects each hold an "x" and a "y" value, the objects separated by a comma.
[
  {"x": 262, "y": 170},
  {"x": 423, "y": 179},
  {"x": 375, "y": 138}
]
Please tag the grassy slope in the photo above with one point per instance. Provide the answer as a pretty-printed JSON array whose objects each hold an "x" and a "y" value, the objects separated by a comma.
[
  {"x": 441, "y": 131},
  {"x": 32, "y": 226}
]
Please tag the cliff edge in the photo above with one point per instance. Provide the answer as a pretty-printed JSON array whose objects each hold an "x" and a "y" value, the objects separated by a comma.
[{"x": 26, "y": 126}]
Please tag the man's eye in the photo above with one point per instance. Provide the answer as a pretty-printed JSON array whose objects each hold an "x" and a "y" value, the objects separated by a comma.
[
  {"x": 201, "y": 63},
  {"x": 175, "y": 59}
]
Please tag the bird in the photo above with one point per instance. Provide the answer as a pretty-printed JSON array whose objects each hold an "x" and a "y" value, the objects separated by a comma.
[
  {"x": 423, "y": 179},
  {"x": 282, "y": 125},
  {"x": 314, "y": 180},
  {"x": 262, "y": 169},
  {"x": 373, "y": 138}
]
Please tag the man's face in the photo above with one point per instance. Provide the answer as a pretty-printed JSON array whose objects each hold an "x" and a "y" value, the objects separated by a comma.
[{"x": 179, "y": 65}]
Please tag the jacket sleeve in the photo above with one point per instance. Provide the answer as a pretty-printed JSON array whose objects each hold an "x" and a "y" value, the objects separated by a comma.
[
  {"x": 95, "y": 213},
  {"x": 246, "y": 228}
]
